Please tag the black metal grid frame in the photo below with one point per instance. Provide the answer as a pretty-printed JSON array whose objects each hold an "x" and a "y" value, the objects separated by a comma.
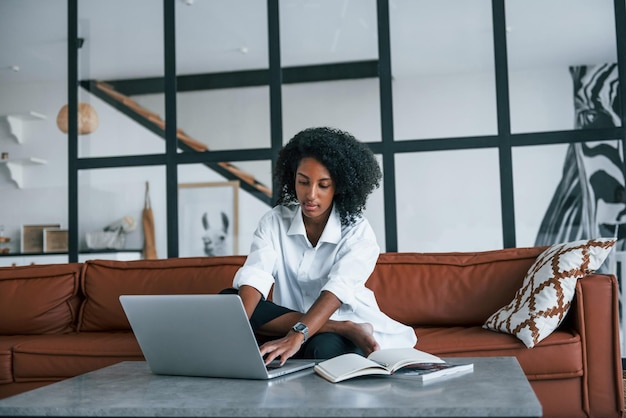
[{"x": 276, "y": 76}]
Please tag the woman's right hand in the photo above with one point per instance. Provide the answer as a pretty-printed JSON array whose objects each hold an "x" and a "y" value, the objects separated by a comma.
[{"x": 282, "y": 348}]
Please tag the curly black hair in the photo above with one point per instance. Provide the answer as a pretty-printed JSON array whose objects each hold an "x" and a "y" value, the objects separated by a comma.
[{"x": 351, "y": 164}]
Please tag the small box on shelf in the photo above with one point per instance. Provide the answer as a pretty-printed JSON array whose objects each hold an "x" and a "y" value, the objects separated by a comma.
[
  {"x": 3, "y": 241},
  {"x": 54, "y": 240},
  {"x": 32, "y": 237}
]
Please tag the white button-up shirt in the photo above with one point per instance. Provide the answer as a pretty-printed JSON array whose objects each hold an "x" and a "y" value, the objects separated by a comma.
[{"x": 341, "y": 262}]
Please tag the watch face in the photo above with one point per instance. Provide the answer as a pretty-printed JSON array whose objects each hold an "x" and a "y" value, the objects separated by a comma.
[{"x": 303, "y": 329}]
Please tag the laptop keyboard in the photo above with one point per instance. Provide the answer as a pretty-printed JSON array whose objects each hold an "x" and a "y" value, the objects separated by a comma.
[{"x": 273, "y": 365}]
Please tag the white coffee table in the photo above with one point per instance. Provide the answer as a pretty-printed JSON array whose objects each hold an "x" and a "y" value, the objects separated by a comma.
[{"x": 497, "y": 387}]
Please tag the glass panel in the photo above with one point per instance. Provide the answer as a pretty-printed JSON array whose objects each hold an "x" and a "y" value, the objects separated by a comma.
[
  {"x": 375, "y": 211},
  {"x": 576, "y": 190},
  {"x": 448, "y": 201},
  {"x": 202, "y": 190},
  {"x": 351, "y": 106},
  {"x": 114, "y": 50},
  {"x": 114, "y": 199},
  {"x": 317, "y": 32},
  {"x": 443, "y": 68},
  {"x": 234, "y": 44},
  {"x": 33, "y": 151},
  {"x": 327, "y": 31},
  {"x": 225, "y": 118},
  {"x": 541, "y": 55}
]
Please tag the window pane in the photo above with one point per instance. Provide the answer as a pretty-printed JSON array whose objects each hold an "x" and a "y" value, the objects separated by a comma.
[
  {"x": 327, "y": 31},
  {"x": 33, "y": 88},
  {"x": 443, "y": 71},
  {"x": 212, "y": 109},
  {"x": 544, "y": 44},
  {"x": 113, "y": 56},
  {"x": 114, "y": 198},
  {"x": 317, "y": 32},
  {"x": 576, "y": 190},
  {"x": 201, "y": 191},
  {"x": 375, "y": 212},
  {"x": 351, "y": 106},
  {"x": 448, "y": 201},
  {"x": 226, "y": 118}
]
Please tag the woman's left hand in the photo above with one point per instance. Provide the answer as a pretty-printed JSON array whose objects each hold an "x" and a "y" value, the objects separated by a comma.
[{"x": 283, "y": 348}]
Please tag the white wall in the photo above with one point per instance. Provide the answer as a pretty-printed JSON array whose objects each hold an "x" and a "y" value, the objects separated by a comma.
[
  {"x": 44, "y": 196},
  {"x": 464, "y": 106}
]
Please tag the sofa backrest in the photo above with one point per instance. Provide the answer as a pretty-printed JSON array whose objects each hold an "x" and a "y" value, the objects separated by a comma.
[
  {"x": 449, "y": 288},
  {"x": 414, "y": 288},
  {"x": 41, "y": 299},
  {"x": 103, "y": 281}
]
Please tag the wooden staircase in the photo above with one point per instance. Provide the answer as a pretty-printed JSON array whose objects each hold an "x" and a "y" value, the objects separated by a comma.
[{"x": 157, "y": 125}]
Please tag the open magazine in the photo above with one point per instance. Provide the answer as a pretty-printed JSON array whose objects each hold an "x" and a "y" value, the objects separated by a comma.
[
  {"x": 427, "y": 372},
  {"x": 397, "y": 362}
]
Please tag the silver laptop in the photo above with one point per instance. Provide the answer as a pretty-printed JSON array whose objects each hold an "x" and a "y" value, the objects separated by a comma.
[{"x": 200, "y": 335}]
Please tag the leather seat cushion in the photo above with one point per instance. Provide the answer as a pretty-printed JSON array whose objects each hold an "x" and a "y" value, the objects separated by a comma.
[
  {"x": 558, "y": 356},
  {"x": 61, "y": 356}
]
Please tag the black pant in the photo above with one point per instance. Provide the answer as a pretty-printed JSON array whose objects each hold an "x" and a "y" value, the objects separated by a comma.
[{"x": 320, "y": 346}]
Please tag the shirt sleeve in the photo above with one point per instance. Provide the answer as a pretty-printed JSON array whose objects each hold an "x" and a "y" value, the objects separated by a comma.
[
  {"x": 353, "y": 265},
  {"x": 258, "y": 269}
]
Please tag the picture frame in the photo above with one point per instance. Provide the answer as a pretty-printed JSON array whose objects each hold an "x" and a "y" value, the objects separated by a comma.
[
  {"x": 31, "y": 240},
  {"x": 55, "y": 240},
  {"x": 208, "y": 219}
]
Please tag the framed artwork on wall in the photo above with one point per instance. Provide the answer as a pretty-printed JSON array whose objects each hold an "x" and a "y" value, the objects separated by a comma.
[{"x": 208, "y": 223}]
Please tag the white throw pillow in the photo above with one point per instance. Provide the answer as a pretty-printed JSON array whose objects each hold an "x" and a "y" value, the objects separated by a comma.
[{"x": 540, "y": 305}]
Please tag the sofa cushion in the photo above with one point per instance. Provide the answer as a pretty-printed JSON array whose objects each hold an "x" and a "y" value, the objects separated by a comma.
[
  {"x": 39, "y": 299},
  {"x": 103, "y": 281},
  {"x": 61, "y": 356},
  {"x": 559, "y": 356},
  {"x": 544, "y": 298},
  {"x": 6, "y": 359},
  {"x": 6, "y": 356},
  {"x": 448, "y": 288},
  {"x": 7, "y": 342}
]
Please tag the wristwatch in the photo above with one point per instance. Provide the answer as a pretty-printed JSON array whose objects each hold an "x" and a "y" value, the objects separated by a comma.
[{"x": 302, "y": 329}]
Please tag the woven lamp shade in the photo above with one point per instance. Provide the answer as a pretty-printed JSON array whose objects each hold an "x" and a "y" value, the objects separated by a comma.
[{"x": 87, "y": 119}]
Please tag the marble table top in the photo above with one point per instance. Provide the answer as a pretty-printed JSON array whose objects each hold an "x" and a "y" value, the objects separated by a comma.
[{"x": 496, "y": 387}]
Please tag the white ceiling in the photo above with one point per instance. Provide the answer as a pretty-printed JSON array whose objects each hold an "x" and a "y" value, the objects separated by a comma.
[{"x": 123, "y": 38}]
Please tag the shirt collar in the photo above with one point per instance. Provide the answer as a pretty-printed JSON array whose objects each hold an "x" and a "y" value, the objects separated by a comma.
[{"x": 332, "y": 230}]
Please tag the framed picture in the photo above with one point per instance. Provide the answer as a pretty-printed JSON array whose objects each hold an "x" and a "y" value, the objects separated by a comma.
[
  {"x": 208, "y": 218},
  {"x": 32, "y": 237},
  {"x": 54, "y": 240}
]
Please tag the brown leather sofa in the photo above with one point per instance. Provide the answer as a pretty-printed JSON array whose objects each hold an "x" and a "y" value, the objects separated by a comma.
[{"x": 58, "y": 321}]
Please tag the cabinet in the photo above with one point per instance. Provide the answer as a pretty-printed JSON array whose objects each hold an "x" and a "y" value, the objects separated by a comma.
[{"x": 15, "y": 123}]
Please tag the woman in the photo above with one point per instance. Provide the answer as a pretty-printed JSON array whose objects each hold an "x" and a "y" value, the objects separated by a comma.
[{"x": 317, "y": 251}]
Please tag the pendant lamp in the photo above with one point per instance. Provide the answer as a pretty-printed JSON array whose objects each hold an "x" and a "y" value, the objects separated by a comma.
[{"x": 87, "y": 119}]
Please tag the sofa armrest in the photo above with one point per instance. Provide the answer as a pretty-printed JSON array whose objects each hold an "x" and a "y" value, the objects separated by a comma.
[{"x": 595, "y": 316}]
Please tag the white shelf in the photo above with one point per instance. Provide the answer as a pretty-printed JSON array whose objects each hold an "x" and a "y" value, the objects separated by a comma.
[
  {"x": 16, "y": 123},
  {"x": 7, "y": 260},
  {"x": 16, "y": 168}
]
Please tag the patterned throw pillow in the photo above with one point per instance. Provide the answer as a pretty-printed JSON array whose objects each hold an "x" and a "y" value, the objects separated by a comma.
[{"x": 540, "y": 305}]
